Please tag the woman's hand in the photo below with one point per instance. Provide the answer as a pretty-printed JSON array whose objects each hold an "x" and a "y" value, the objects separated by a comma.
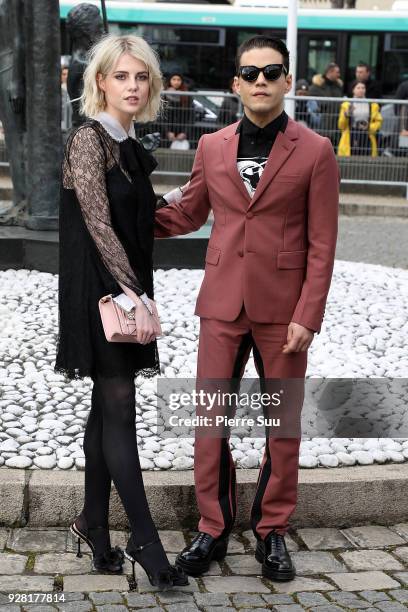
[
  {"x": 156, "y": 319},
  {"x": 145, "y": 324}
]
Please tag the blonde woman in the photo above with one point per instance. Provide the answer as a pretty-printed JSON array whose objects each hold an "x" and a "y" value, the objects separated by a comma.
[
  {"x": 359, "y": 123},
  {"x": 106, "y": 242}
]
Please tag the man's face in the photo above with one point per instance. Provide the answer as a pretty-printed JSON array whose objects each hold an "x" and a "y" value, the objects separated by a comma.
[
  {"x": 333, "y": 74},
  {"x": 362, "y": 74},
  {"x": 262, "y": 96}
]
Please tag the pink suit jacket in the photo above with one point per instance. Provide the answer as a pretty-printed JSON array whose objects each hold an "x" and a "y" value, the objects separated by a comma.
[{"x": 273, "y": 253}]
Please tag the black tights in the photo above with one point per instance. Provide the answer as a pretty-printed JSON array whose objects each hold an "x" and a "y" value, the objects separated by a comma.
[{"x": 110, "y": 448}]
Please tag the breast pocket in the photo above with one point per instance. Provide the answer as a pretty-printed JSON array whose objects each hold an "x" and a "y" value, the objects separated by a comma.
[{"x": 287, "y": 178}]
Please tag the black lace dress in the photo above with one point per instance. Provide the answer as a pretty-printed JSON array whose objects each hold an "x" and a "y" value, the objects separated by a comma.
[{"x": 106, "y": 237}]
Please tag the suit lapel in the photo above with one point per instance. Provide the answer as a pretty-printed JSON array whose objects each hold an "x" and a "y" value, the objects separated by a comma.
[
  {"x": 282, "y": 148},
  {"x": 229, "y": 152}
]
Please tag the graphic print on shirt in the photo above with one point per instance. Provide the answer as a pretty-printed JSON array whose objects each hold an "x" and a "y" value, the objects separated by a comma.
[{"x": 250, "y": 170}]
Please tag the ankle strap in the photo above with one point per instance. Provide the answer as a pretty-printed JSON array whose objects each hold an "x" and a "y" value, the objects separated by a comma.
[{"x": 142, "y": 546}]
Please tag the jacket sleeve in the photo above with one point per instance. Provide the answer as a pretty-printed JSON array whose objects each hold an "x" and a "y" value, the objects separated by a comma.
[
  {"x": 376, "y": 119},
  {"x": 192, "y": 211},
  {"x": 322, "y": 227},
  {"x": 86, "y": 161},
  {"x": 343, "y": 120}
]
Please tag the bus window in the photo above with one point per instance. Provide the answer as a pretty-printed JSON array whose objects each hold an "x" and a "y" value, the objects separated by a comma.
[
  {"x": 395, "y": 71},
  {"x": 395, "y": 62},
  {"x": 320, "y": 52},
  {"x": 362, "y": 48}
]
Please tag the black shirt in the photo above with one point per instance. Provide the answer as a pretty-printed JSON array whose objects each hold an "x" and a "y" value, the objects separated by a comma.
[{"x": 254, "y": 146}]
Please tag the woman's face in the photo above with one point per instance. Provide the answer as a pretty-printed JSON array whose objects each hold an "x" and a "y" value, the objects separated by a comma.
[
  {"x": 126, "y": 86},
  {"x": 176, "y": 81},
  {"x": 359, "y": 90}
]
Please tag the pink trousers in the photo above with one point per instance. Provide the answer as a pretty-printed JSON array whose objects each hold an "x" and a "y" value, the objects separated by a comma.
[{"x": 224, "y": 349}]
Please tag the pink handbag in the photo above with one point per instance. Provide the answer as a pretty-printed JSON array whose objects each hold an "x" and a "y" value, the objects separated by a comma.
[{"x": 119, "y": 325}]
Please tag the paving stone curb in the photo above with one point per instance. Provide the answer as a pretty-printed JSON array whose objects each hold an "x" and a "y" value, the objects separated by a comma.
[{"x": 53, "y": 497}]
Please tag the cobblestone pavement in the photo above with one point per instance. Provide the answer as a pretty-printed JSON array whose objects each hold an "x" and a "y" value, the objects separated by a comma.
[
  {"x": 359, "y": 568},
  {"x": 375, "y": 240}
]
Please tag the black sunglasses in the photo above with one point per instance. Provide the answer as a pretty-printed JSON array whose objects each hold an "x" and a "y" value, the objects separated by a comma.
[{"x": 271, "y": 72}]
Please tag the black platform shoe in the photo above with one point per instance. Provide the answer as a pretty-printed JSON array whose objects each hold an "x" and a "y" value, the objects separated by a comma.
[
  {"x": 196, "y": 558},
  {"x": 110, "y": 561},
  {"x": 275, "y": 558},
  {"x": 165, "y": 578}
]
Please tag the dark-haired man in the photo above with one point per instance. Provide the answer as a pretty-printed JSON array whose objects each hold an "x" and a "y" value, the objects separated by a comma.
[
  {"x": 363, "y": 75},
  {"x": 328, "y": 85},
  {"x": 272, "y": 185}
]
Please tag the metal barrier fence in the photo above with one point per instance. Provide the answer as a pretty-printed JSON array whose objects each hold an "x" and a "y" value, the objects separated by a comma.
[
  {"x": 369, "y": 136},
  {"x": 186, "y": 116}
]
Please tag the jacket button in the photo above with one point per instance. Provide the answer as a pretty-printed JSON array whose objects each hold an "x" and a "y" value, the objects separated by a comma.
[
  {"x": 240, "y": 253},
  {"x": 249, "y": 215}
]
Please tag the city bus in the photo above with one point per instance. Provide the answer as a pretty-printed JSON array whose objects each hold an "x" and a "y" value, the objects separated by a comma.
[{"x": 200, "y": 40}]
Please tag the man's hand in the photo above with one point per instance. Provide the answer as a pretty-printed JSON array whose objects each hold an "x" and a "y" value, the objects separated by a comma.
[
  {"x": 175, "y": 195},
  {"x": 299, "y": 338}
]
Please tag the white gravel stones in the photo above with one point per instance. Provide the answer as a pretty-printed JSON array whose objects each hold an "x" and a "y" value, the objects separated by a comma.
[
  {"x": 327, "y": 460},
  {"x": 65, "y": 463},
  {"x": 362, "y": 457},
  {"x": 47, "y": 462},
  {"x": 308, "y": 461},
  {"x": 19, "y": 462},
  {"x": 43, "y": 416}
]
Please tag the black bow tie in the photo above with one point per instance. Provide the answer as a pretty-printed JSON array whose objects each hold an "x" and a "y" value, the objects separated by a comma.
[{"x": 134, "y": 157}]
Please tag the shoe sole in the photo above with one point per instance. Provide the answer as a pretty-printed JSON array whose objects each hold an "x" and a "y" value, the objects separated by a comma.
[
  {"x": 267, "y": 572},
  {"x": 198, "y": 568}
]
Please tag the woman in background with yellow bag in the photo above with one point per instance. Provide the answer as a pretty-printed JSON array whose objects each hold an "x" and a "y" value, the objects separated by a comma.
[{"x": 359, "y": 123}]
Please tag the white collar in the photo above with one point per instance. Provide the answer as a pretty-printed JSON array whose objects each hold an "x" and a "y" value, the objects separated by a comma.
[{"x": 114, "y": 128}]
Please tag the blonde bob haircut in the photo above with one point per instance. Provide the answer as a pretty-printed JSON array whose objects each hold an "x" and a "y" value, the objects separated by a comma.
[{"x": 103, "y": 56}]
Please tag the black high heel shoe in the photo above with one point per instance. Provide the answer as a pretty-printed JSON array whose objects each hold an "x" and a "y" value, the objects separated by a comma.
[
  {"x": 110, "y": 561},
  {"x": 165, "y": 578}
]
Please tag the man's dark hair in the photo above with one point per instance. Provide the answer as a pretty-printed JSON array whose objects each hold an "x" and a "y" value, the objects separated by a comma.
[
  {"x": 329, "y": 67},
  {"x": 364, "y": 65},
  {"x": 260, "y": 42}
]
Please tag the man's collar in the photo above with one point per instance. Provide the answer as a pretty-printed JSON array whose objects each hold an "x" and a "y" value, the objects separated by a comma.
[{"x": 249, "y": 128}]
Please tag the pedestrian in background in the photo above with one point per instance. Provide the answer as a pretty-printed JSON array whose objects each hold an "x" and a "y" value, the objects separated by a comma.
[
  {"x": 359, "y": 123},
  {"x": 402, "y": 112},
  {"x": 66, "y": 109},
  {"x": 179, "y": 113},
  {"x": 363, "y": 75},
  {"x": 328, "y": 85},
  {"x": 306, "y": 111}
]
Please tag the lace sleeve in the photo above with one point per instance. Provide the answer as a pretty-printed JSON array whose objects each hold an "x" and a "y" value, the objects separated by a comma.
[{"x": 86, "y": 160}]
